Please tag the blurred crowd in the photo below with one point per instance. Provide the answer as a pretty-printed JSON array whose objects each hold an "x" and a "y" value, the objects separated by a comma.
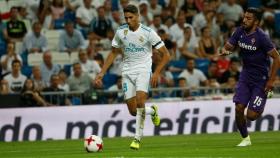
[{"x": 193, "y": 30}]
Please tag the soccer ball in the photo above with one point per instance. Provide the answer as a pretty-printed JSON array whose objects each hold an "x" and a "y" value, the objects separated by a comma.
[{"x": 93, "y": 144}]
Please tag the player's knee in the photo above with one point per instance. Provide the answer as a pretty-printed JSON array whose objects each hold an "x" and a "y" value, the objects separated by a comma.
[{"x": 252, "y": 116}]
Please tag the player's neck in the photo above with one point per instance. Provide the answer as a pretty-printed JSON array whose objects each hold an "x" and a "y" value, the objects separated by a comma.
[
  {"x": 252, "y": 30},
  {"x": 135, "y": 27}
]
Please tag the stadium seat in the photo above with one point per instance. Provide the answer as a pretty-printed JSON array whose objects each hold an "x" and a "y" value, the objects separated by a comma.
[
  {"x": 59, "y": 24},
  {"x": 34, "y": 59},
  {"x": 67, "y": 69},
  {"x": 202, "y": 64},
  {"x": 27, "y": 71},
  {"x": 277, "y": 23},
  {"x": 19, "y": 47},
  {"x": 178, "y": 63},
  {"x": 61, "y": 58},
  {"x": 53, "y": 39},
  {"x": 109, "y": 80},
  {"x": 74, "y": 57},
  {"x": 254, "y": 3}
]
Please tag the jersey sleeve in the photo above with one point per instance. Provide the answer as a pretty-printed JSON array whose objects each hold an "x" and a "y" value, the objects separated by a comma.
[
  {"x": 267, "y": 45},
  {"x": 155, "y": 40},
  {"x": 234, "y": 37},
  {"x": 116, "y": 42}
]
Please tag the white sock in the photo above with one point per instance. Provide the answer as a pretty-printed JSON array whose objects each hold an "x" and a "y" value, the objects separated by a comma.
[
  {"x": 140, "y": 118},
  {"x": 149, "y": 110}
]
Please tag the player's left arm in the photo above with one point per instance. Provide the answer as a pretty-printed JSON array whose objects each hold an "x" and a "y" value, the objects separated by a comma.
[
  {"x": 274, "y": 54},
  {"x": 165, "y": 59}
]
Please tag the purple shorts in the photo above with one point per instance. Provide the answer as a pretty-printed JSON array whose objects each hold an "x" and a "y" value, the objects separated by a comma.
[{"x": 251, "y": 95}]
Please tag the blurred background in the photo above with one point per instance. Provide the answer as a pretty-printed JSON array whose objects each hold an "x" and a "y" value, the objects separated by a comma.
[{"x": 51, "y": 50}]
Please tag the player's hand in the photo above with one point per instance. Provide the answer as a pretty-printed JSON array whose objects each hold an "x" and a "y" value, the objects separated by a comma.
[
  {"x": 98, "y": 79},
  {"x": 268, "y": 86},
  {"x": 154, "y": 79},
  {"x": 224, "y": 52}
]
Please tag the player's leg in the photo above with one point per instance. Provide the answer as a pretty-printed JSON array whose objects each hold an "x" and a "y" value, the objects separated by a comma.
[
  {"x": 257, "y": 103},
  {"x": 141, "y": 98},
  {"x": 241, "y": 99},
  {"x": 129, "y": 89},
  {"x": 142, "y": 84}
]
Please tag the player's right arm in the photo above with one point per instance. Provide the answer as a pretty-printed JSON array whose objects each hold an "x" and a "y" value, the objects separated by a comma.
[
  {"x": 231, "y": 43},
  {"x": 110, "y": 59}
]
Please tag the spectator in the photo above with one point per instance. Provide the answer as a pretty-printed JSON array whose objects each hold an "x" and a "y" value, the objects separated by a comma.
[
  {"x": 100, "y": 25},
  {"x": 8, "y": 58},
  {"x": 36, "y": 76},
  {"x": 23, "y": 17},
  {"x": 199, "y": 20},
  {"x": 118, "y": 89},
  {"x": 154, "y": 7},
  {"x": 177, "y": 32},
  {"x": 63, "y": 78},
  {"x": 45, "y": 14},
  {"x": 57, "y": 9},
  {"x": 231, "y": 11},
  {"x": 212, "y": 70},
  {"x": 168, "y": 43},
  {"x": 146, "y": 17},
  {"x": 213, "y": 26},
  {"x": 107, "y": 42},
  {"x": 116, "y": 20},
  {"x": 85, "y": 14},
  {"x": 194, "y": 77},
  {"x": 207, "y": 45},
  {"x": 233, "y": 71},
  {"x": 79, "y": 81},
  {"x": 15, "y": 78},
  {"x": 157, "y": 24},
  {"x": 4, "y": 87},
  {"x": 183, "y": 93},
  {"x": 188, "y": 48},
  {"x": 190, "y": 10},
  {"x": 35, "y": 41},
  {"x": 48, "y": 68},
  {"x": 71, "y": 40},
  {"x": 90, "y": 67},
  {"x": 30, "y": 96},
  {"x": 229, "y": 86},
  {"x": 16, "y": 29},
  {"x": 55, "y": 99}
]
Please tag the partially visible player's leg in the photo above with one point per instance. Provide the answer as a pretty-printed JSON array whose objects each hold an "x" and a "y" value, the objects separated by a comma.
[
  {"x": 142, "y": 84},
  {"x": 241, "y": 124},
  {"x": 141, "y": 98},
  {"x": 240, "y": 120},
  {"x": 132, "y": 105},
  {"x": 241, "y": 99}
]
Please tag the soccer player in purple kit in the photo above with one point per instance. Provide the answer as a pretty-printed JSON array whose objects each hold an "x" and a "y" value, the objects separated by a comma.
[{"x": 257, "y": 75}]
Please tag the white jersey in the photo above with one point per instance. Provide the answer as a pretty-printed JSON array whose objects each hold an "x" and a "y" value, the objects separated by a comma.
[{"x": 137, "y": 47}]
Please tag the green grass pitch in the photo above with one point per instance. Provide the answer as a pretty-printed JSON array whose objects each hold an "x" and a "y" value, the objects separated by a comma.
[{"x": 265, "y": 145}]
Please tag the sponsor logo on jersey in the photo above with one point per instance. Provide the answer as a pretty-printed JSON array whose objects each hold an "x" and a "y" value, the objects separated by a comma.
[
  {"x": 245, "y": 46},
  {"x": 133, "y": 48}
]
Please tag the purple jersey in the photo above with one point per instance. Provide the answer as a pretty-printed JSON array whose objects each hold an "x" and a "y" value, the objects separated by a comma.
[{"x": 254, "y": 50}]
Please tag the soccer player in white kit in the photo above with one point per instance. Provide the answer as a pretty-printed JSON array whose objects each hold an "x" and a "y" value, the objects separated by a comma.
[{"x": 136, "y": 42}]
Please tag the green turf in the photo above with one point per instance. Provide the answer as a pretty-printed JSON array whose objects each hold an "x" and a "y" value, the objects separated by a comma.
[{"x": 266, "y": 145}]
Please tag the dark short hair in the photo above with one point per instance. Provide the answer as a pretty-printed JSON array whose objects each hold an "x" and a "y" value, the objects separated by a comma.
[
  {"x": 131, "y": 9},
  {"x": 16, "y": 61},
  {"x": 182, "y": 78},
  {"x": 256, "y": 12}
]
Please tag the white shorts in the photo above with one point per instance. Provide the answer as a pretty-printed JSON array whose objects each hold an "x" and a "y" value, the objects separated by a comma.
[{"x": 135, "y": 82}]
